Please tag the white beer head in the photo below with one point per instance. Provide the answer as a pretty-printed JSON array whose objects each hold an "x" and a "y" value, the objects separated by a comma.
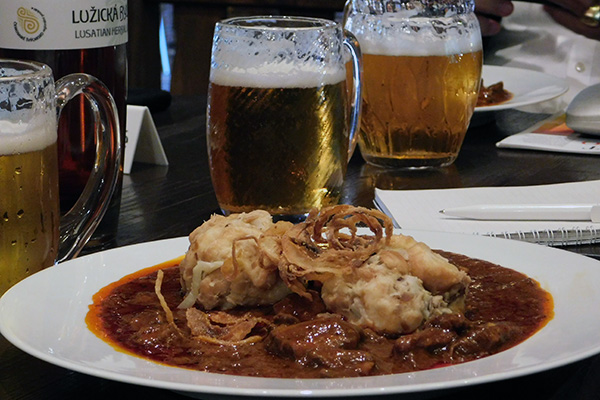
[
  {"x": 23, "y": 137},
  {"x": 27, "y": 109},
  {"x": 259, "y": 52},
  {"x": 415, "y": 28}
]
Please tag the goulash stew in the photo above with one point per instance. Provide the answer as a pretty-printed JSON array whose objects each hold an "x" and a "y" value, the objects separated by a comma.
[{"x": 317, "y": 300}]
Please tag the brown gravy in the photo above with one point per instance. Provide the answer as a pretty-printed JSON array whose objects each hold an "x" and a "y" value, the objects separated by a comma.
[{"x": 502, "y": 308}]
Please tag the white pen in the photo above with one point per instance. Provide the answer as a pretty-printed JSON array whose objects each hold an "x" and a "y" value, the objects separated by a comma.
[{"x": 545, "y": 212}]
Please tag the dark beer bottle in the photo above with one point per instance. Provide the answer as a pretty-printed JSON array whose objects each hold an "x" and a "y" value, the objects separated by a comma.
[{"x": 70, "y": 36}]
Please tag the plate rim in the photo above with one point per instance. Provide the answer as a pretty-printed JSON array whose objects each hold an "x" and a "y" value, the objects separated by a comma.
[{"x": 295, "y": 391}]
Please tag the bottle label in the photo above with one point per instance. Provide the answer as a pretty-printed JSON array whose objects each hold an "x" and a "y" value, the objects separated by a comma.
[{"x": 62, "y": 24}]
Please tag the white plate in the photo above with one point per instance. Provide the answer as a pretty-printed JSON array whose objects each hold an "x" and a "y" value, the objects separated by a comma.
[
  {"x": 528, "y": 87},
  {"x": 44, "y": 316}
]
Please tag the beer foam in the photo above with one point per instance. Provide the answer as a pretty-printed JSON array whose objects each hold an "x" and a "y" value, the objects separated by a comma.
[
  {"x": 262, "y": 55},
  {"x": 399, "y": 37},
  {"x": 411, "y": 46},
  {"x": 23, "y": 137},
  {"x": 277, "y": 76}
]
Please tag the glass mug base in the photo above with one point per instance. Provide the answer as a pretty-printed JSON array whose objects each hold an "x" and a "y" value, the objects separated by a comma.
[
  {"x": 409, "y": 162},
  {"x": 292, "y": 212},
  {"x": 293, "y": 218}
]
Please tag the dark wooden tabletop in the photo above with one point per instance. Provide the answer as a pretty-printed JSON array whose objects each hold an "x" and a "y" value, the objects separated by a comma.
[{"x": 165, "y": 202}]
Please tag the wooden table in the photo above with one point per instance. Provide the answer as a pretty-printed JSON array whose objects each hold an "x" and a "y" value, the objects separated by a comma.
[{"x": 165, "y": 202}]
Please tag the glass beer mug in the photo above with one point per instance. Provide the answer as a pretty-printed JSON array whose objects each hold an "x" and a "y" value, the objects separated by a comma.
[
  {"x": 33, "y": 235},
  {"x": 280, "y": 125},
  {"x": 422, "y": 63}
]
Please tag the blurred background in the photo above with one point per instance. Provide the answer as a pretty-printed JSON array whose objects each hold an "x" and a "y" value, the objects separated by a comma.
[{"x": 170, "y": 42}]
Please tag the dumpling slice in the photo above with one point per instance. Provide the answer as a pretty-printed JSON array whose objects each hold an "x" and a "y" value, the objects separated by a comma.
[{"x": 225, "y": 267}]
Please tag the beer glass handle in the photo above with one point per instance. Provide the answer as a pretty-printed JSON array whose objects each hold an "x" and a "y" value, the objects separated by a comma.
[
  {"x": 78, "y": 224},
  {"x": 352, "y": 44}
]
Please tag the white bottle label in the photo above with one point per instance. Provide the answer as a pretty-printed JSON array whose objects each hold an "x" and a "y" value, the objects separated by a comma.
[{"x": 62, "y": 24}]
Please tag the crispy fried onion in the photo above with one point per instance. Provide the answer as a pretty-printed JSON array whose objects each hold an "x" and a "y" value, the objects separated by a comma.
[
  {"x": 219, "y": 327},
  {"x": 215, "y": 327},
  {"x": 163, "y": 303},
  {"x": 328, "y": 244}
]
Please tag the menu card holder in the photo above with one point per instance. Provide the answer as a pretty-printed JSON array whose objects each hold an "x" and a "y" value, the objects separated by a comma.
[{"x": 142, "y": 143}]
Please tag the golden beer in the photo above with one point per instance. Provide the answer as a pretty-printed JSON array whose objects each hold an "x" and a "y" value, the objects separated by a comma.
[
  {"x": 281, "y": 149},
  {"x": 29, "y": 212},
  {"x": 416, "y": 109}
]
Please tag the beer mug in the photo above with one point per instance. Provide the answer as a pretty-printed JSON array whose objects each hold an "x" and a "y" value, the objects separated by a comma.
[
  {"x": 33, "y": 235},
  {"x": 422, "y": 63},
  {"x": 280, "y": 124}
]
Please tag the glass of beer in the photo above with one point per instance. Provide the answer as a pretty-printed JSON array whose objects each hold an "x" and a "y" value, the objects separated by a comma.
[
  {"x": 33, "y": 235},
  {"x": 280, "y": 121},
  {"x": 422, "y": 63}
]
